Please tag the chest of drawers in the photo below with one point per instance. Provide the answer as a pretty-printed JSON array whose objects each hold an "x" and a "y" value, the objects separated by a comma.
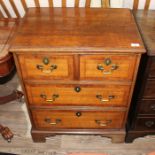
[
  {"x": 78, "y": 70},
  {"x": 141, "y": 120}
]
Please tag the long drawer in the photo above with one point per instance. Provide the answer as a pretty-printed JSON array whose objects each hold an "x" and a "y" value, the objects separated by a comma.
[
  {"x": 149, "y": 91},
  {"x": 49, "y": 119},
  {"x": 147, "y": 107},
  {"x": 97, "y": 95},
  {"x": 152, "y": 67},
  {"x": 145, "y": 123}
]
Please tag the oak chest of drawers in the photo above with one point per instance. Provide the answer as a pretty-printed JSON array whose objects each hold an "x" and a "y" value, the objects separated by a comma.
[
  {"x": 78, "y": 69},
  {"x": 141, "y": 121}
]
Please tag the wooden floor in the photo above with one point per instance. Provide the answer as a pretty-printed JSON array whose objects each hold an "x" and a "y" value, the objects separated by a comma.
[{"x": 14, "y": 115}]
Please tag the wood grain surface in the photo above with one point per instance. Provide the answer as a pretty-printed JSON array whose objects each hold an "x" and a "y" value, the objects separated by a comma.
[
  {"x": 64, "y": 67},
  {"x": 85, "y": 31},
  {"x": 125, "y": 65},
  {"x": 46, "y": 119},
  {"x": 147, "y": 29},
  {"x": 115, "y": 95}
]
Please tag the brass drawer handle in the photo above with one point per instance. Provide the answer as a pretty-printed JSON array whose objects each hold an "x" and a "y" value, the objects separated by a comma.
[
  {"x": 152, "y": 107},
  {"x": 107, "y": 62},
  {"x": 101, "y": 68},
  {"x": 46, "y": 71},
  {"x": 149, "y": 124},
  {"x": 54, "y": 96},
  {"x": 103, "y": 123},
  {"x": 48, "y": 120},
  {"x": 100, "y": 97}
]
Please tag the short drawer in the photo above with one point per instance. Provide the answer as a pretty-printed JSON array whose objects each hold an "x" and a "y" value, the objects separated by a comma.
[
  {"x": 110, "y": 67},
  {"x": 50, "y": 119},
  {"x": 147, "y": 107},
  {"x": 46, "y": 67},
  {"x": 152, "y": 67},
  {"x": 145, "y": 123},
  {"x": 149, "y": 91},
  {"x": 97, "y": 95}
]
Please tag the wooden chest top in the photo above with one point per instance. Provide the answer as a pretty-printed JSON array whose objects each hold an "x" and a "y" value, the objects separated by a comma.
[
  {"x": 146, "y": 22},
  {"x": 78, "y": 29}
]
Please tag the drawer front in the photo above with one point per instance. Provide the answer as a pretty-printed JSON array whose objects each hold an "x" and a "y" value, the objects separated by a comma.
[
  {"x": 44, "y": 67},
  {"x": 145, "y": 123},
  {"x": 49, "y": 119},
  {"x": 103, "y": 95},
  {"x": 152, "y": 68},
  {"x": 147, "y": 107},
  {"x": 149, "y": 91},
  {"x": 110, "y": 67}
]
